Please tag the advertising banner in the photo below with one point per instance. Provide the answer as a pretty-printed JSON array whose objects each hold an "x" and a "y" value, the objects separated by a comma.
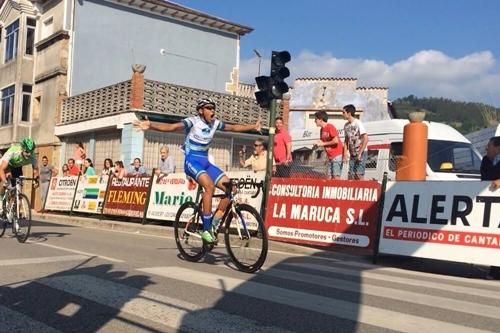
[
  {"x": 455, "y": 221},
  {"x": 323, "y": 212},
  {"x": 168, "y": 193},
  {"x": 127, "y": 197},
  {"x": 90, "y": 193},
  {"x": 61, "y": 192}
]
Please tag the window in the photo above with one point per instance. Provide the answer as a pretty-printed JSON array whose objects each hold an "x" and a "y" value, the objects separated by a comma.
[
  {"x": 371, "y": 161},
  {"x": 396, "y": 151},
  {"x": 451, "y": 156},
  {"x": 26, "y": 109},
  {"x": 7, "y": 105},
  {"x": 11, "y": 40},
  {"x": 30, "y": 35}
]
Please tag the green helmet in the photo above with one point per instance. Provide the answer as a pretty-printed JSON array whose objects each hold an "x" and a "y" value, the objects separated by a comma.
[{"x": 28, "y": 144}]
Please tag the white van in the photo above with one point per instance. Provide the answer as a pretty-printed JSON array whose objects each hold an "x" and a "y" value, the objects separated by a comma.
[{"x": 450, "y": 155}]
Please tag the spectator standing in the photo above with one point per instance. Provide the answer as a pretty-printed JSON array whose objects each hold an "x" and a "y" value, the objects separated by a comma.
[
  {"x": 329, "y": 139},
  {"x": 356, "y": 140},
  {"x": 137, "y": 169},
  {"x": 46, "y": 172},
  {"x": 258, "y": 159},
  {"x": 89, "y": 167},
  {"x": 119, "y": 170},
  {"x": 490, "y": 170},
  {"x": 108, "y": 167},
  {"x": 65, "y": 170},
  {"x": 73, "y": 169},
  {"x": 282, "y": 151},
  {"x": 166, "y": 163},
  {"x": 79, "y": 155}
]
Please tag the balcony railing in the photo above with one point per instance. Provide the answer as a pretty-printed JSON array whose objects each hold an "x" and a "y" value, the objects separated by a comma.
[
  {"x": 173, "y": 100},
  {"x": 159, "y": 98},
  {"x": 98, "y": 103}
]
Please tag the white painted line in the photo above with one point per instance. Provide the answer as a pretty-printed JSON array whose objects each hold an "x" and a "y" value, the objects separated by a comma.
[
  {"x": 41, "y": 260},
  {"x": 393, "y": 320},
  {"x": 157, "y": 308},
  {"x": 391, "y": 293},
  {"x": 412, "y": 282},
  {"x": 79, "y": 252},
  {"x": 13, "y": 321}
]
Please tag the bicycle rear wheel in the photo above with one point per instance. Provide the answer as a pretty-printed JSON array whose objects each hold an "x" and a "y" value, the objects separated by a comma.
[
  {"x": 187, "y": 228},
  {"x": 246, "y": 238},
  {"x": 23, "y": 228}
]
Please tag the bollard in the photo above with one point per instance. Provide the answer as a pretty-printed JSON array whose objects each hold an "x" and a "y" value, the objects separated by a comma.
[{"x": 412, "y": 164}]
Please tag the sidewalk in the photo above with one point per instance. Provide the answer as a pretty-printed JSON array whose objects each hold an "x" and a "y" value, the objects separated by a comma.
[{"x": 168, "y": 231}]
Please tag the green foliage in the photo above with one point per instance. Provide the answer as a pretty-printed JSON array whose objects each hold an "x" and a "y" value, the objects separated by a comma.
[{"x": 466, "y": 117}]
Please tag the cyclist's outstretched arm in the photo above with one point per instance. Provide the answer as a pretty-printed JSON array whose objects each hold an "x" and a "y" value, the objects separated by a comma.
[
  {"x": 162, "y": 127},
  {"x": 243, "y": 128}
]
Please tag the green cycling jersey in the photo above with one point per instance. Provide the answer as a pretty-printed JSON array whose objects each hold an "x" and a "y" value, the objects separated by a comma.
[{"x": 15, "y": 159}]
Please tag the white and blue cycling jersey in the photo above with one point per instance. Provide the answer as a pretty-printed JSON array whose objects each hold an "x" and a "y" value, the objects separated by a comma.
[{"x": 199, "y": 134}]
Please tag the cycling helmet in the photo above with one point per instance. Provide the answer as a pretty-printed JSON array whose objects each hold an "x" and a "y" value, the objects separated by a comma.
[
  {"x": 28, "y": 144},
  {"x": 204, "y": 101}
]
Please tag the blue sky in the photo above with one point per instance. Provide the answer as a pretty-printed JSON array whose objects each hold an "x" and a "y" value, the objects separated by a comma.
[{"x": 427, "y": 48}]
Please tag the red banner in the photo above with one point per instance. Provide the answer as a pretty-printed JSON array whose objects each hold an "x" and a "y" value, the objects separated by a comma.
[
  {"x": 127, "y": 197},
  {"x": 323, "y": 212}
]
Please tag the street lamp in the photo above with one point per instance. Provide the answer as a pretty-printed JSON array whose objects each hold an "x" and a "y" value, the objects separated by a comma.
[{"x": 260, "y": 58}]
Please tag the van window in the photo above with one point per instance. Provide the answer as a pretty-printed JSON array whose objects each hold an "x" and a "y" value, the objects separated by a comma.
[
  {"x": 396, "y": 150},
  {"x": 451, "y": 156},
  {"x": 371, "y": 160}
]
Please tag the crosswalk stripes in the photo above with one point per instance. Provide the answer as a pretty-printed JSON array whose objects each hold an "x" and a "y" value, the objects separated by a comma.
[
  {"x": 388, "y": 319},
  {"x": 172, "y": 312},
  {"x": 154, "y": 307}
]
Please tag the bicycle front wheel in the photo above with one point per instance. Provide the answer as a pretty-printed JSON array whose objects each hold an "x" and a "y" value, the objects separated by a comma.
[
  {"x": 22, "y": 222},
  {"x": 246, "y": 238},
  {"x": 187, "y": 229}
]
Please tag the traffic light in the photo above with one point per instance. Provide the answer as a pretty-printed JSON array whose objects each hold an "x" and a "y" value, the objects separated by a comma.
[{"x": 273, "y": 86}]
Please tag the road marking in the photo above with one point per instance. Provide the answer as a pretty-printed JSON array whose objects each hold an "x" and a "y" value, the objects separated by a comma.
[
  {"x": 157, "y": 308},
  {"x": 40, "y": 260},
  {"x": 407, "y": 281},
  {"x": 395, "y": 294},
  {"x": 88, "y": 254},
  {"x": 352, "y": 311},
  {"x": 13, "y": 321}
]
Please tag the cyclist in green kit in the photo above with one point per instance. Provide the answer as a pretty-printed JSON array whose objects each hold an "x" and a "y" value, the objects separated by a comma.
[{"x": 14, "y": 159}]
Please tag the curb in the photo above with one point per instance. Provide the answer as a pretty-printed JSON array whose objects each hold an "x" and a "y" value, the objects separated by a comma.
[{"x": 168, "y": 231}]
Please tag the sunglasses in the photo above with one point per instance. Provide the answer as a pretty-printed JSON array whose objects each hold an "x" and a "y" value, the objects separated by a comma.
[
  {"x": 257, "y": 145},
  {"x": 27, "y": 152},
  {"x": 209, "y": 107}
]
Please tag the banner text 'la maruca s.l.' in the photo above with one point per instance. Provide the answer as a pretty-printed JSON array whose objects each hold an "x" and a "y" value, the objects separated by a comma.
[
  {"x": 455, "y": 221},
  {"x": 323, "y": 212},
  {"x": 127, "y": 196}
]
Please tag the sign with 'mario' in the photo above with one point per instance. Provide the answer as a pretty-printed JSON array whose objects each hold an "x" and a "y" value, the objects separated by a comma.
[
  {"x": 455, "y": 221},
  {"x": 323, "y": 212}
]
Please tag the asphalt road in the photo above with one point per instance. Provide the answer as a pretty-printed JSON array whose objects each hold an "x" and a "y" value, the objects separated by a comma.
[{"x": 76, "y": 279}]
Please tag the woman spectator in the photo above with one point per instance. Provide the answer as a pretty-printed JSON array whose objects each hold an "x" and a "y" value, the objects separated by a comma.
[
  {"x": 79, "y": 155},
  {"x": 65, "y": 170},
  {"x": 108, "y": 167},
  {"x": 119, "y": 171},
  {"x": 89, "y": 167}
]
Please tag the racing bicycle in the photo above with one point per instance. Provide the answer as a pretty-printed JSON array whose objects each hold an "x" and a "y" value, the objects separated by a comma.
[
  {"x": 16, "y": 210},
  {"x": 245, "y": 236}
]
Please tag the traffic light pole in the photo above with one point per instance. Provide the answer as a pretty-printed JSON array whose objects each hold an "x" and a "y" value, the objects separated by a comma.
[{"x": 270, "y": 147}]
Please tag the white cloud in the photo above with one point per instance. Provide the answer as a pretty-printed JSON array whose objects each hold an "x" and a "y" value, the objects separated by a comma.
[{"x": 474, "y": 77}]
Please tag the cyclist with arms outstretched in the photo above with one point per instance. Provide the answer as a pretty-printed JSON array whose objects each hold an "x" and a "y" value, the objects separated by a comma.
[
  {"x": 14, "y": 159},
  {"x": 200, "y": 130}
]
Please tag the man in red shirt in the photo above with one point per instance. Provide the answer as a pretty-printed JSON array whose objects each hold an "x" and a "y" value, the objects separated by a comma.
[
  {"x": 282, "y": 150},
  {"x": 329, "y": 139},
  {"x": 73, "y": 170}
]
